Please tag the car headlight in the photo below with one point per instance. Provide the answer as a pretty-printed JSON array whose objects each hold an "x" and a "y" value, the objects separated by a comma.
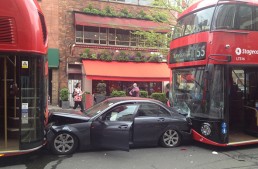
[{"x": 206, "y": 129}]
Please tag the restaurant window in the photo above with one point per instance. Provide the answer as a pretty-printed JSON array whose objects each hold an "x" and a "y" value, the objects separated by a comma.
[
  {"x": 122, "y": 37},
  {"x": 91, "y": 34},
  {"x": 150, "y": 87},
  {"x": 103, "y": 36},
  {"x": 137, "y": 2},
  {"x": 112, "y": 37},
  {"x": 145, "y": 2},
  {"x": 133, "y": 40},
  {"x": 79, "y": 33}
]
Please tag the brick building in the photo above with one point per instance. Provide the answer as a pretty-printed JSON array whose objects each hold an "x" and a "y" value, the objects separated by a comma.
[{"x": 74, "y": 34}]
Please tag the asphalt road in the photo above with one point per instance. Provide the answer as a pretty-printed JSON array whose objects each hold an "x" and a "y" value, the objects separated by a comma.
[{"x": 193, "y": 156}]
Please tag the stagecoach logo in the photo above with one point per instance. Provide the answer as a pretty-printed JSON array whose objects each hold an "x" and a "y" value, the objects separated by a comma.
[{"x": 240, "y": 51}]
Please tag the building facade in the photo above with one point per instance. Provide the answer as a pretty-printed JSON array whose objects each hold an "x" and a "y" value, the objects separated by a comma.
[{"x": 80, "y": 36}]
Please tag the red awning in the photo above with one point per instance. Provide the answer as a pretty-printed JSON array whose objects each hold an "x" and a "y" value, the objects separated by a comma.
[
  {"x": 126, "y": 71},
  {"x": 120, "y": 23}
]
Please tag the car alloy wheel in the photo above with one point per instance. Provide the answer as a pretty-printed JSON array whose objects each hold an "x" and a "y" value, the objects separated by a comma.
[
  {"x": 170, "y": 138},
  {"x": 64, "y": 143}
]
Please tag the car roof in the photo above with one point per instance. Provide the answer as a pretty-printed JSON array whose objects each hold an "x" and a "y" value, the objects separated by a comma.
[{"x": 137, "y": 99}]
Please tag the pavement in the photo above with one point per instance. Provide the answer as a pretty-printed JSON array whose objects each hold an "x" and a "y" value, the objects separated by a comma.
[{"x": 53, "y": 108}]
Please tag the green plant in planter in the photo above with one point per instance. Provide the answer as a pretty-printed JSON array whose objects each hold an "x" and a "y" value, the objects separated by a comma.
[
  {"x": 123, "y": 57},
  {"x": 116, "y": 93},
  {"x": 143, "y": 93},
  {"x": 125, "y": 14},
  {"x": 159, "y": 96},
  {"x": 94, "y": 56},
  {"x": 106, "y": 56},
  {"x": 108, "y": 11},
  {"x": 86, "y": 54},
  {"x": 64, "y": 94}
]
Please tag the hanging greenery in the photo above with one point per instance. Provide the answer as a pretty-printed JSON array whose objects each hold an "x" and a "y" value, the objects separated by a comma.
[
  {"x": 124, "y": 13},
  {"x": 122, "y": 56}
]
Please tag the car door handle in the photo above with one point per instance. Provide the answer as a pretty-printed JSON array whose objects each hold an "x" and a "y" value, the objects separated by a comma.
[
  {"x": 161, "y": 119},
  {"x": 123, "y": 126}
]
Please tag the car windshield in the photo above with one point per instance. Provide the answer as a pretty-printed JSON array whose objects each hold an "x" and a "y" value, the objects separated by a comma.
[{"x": 97, "y": 108}]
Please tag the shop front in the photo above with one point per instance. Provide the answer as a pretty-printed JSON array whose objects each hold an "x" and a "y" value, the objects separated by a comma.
[{"x": 120, "y": 76}]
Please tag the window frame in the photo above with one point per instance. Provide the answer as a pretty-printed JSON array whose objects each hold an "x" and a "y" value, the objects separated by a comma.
[{"x": 111, "y": 37}]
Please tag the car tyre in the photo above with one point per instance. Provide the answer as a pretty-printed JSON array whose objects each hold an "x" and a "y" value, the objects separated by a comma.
[
  {"x": 64, "y": 143},
  {"x": 170, "y": 138}
]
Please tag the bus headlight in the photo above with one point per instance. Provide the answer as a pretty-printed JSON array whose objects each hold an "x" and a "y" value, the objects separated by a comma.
[{"x": 206, "y": 129}]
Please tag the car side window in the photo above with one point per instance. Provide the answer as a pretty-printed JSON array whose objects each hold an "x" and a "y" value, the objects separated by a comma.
[
  {"x": 121, "y": 113},
  {"x": 163, "y": 112},
  {"x": 152, "y": 110}
]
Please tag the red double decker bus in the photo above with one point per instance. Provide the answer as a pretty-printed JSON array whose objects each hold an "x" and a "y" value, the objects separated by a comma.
[
  {"x": 214, "y": 63},
  {"x": 23, "y": 76}
]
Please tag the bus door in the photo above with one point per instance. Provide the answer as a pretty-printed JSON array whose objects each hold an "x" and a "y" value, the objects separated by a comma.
[
  {"x": 9, "y": 104},
  {"x": 243, "y": 104}
]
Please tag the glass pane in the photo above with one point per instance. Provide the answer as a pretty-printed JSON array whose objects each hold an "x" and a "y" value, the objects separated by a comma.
[
  {"x": 103, "y": 35},
  {"x": 121, "y": 113},
  {"x": 79, "y": 33},
  {"x": 79, "y": 30},
  {"x": 145, "y": 2},
  {"x": 188, "y": 90},
  {"x": 224, "y": 17},
  {"x": 216, "y": 90},
  {"x": 132, "y": 1},
  {"x": 33, "y": 99},
  {"x": 111, "y": 36},
  {"x": 148, "y": 109},
  {"x": 163, "y": 113},
  {"x": 122, "y": 37},
  {"x": 256, "y": 19},
  {"x": 245, "y": 17},
  {"x": 133, "y": 39},
  {"x": 91, "y": 34},
  {"x": 196, "y": 22}
]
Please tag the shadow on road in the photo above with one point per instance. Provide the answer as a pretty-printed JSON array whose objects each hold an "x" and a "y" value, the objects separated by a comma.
[{"x": 31, "y": 160}]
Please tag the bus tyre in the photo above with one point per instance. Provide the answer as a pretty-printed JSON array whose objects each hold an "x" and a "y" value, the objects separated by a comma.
[
  {"x": 64, "y": 143},
  {"x": 170, "y": 138}
]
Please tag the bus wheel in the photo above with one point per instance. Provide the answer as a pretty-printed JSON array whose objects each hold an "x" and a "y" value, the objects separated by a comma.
[
  {"x": 170, "y": 138},
  {"x": 64, "y": 143}
]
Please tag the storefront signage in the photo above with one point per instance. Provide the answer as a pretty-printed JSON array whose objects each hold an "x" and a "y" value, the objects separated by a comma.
[{"x": 188, "y": 53}]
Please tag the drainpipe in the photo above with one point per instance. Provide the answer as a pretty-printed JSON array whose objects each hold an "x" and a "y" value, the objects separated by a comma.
[{"x": 71, "y": 46}]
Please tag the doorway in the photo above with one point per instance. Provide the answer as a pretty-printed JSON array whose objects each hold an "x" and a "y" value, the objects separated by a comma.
[
  {"x": 243, "y": 104},
  {"x": 9, "y": 104}
]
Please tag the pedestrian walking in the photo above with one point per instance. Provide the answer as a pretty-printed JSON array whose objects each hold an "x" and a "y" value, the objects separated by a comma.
[{"x": 77, "y": 93}]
